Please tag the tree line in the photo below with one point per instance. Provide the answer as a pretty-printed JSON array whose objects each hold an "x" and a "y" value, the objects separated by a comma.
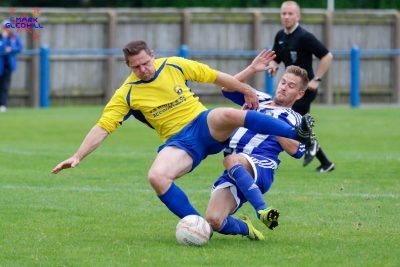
[{"x": 339, "y": 4}]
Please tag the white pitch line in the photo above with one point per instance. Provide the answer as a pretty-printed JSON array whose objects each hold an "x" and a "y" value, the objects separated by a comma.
[
  {"x": 113, "y": 153},
  {"x": 133, "y": 190},
  {"x": 333, "y": 194},
  {"x": 394, "y": 155}
]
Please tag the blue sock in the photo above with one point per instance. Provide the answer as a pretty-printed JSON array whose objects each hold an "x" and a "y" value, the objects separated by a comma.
[
  {"x": 246, "y": 185},
  {"x": 177, "y": 202},
  {"x": 264, "y": 124},
  {"x": 232, "y": 226}
]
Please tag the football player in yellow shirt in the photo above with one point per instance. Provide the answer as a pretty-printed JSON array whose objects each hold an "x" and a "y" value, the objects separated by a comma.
[{"x": 157, "y": 94}]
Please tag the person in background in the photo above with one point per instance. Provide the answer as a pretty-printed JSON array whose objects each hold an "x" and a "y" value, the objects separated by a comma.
[
  {"x": 10, "y": 46},
  {"x": 294, "y": 45}
]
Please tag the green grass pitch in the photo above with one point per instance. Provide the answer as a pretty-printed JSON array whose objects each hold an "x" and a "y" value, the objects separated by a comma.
[{"x": 104, "y": 212}]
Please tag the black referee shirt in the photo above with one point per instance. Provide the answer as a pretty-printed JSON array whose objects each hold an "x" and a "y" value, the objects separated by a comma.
[{"x": 297, "y": 49}]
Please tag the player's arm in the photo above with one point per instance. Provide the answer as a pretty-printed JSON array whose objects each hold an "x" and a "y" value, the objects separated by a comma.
[
  {"x": 231, "y": 84},
  {"x": 259, "y": 64},
  {"x": 318, "y": 49},
  {"x": 92, "y": 141},
  {"x": 199, "y": 72},
  {"x": 324, "y": 65},
  {"x": 292, "y": 147}
]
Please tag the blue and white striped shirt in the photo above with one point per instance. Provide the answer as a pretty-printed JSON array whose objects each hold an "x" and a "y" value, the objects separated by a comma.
[{"x": 246, "y": 141}]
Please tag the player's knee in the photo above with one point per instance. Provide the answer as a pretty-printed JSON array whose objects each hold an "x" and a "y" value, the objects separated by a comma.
[
  {"x": 214, "y": 221},
  {"x": 231, "y": 160},
  {"x": 158, "y": 180},
  {"x": 224, "y": 116},
  {"x": 232, "y": 116}
]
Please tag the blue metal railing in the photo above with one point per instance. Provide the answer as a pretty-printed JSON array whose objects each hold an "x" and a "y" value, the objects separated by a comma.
[
  {"x": 355, "y": 58},
  {"x": 44, "y": 88}
]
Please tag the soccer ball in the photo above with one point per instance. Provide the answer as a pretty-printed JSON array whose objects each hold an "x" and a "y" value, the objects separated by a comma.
[{"x": 193, "y": 230}]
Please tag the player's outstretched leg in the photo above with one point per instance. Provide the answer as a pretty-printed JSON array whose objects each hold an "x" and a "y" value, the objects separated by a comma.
[
  {"x": 264, "y": 124},
  {"x": 304, "y": 132},
  {"x": 269, "y": 217},
  {"x": 254, "y": 234}
]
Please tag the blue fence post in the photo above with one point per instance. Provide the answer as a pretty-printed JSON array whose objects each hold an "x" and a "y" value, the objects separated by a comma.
[
  {"x": 269, "y": 83},
  {"x": 355, "y": 77},
  {"x": 44, "y": 77},
  {"x": 184, "y": 51}
]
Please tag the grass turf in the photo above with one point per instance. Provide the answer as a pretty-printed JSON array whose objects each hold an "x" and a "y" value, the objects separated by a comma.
[{"x": 104, "y": 212}]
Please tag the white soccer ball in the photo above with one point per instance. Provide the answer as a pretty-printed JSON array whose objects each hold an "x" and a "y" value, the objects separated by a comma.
[{"x": 193, "y": 230}]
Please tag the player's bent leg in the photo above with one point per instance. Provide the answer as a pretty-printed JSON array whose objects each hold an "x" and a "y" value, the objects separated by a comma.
[
  {"x": 246, "y": 185},
  {"x": 170, "y": 164},
  {"x": 253, "y": 234},
  {"x": 221, "y": 204},
  {"x": 223, "y": 121},
  {"x": 269, "y": 217}
]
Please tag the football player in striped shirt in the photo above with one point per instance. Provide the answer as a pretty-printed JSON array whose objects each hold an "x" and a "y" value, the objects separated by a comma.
[{"x": 252, "y": 158}]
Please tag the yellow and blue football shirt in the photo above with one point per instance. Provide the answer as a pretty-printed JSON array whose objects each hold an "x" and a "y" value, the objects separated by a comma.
[{"x": 165, "y": 103}]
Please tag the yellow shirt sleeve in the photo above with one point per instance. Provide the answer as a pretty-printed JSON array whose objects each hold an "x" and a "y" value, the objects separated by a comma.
[
  {"x": 195, "y": 71},
  {"x": 116, "y": 110}
]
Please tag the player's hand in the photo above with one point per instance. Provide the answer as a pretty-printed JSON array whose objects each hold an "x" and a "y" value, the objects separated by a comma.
[
  {"x": 262, "y": 61},
  {"x": 251, "y": 99},
  {"x": 68, "y": 163}
]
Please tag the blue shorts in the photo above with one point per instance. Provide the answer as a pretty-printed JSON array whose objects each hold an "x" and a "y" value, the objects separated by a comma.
[
  {"x": 196, "y": 140},
  {"x": 263, "y": 169}
]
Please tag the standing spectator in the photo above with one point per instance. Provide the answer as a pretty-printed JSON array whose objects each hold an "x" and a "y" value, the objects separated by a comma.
[
  {"x": 294, "y": 45},
  {"x": 10, "y": 46}
]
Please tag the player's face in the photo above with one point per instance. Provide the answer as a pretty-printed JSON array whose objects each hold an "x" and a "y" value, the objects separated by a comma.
[
  {"x": 290, "y": 15},
  {"x": 142, "y": 65},
  {"x": 289, "y": 90}
]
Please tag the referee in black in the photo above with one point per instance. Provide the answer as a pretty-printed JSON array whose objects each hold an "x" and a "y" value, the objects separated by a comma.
[{"x": 294, "y": 45}]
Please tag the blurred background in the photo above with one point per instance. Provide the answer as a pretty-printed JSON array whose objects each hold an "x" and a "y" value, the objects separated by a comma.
[
  {"x": 339, "y": 4},
  {"x": 75, "y": 56}
]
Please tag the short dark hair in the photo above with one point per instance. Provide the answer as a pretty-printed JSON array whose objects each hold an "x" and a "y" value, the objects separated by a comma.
[
  {"x": 300, "y": 72},
  {"x": 134, "y": 47}
]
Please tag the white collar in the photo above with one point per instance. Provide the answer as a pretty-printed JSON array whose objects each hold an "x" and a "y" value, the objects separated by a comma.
[{"x": 292, "y": 29}]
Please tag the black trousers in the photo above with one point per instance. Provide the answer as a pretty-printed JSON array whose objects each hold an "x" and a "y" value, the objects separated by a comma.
[
  {"x": 303, "y": 105},
  {"x": 5, "y": 81}
]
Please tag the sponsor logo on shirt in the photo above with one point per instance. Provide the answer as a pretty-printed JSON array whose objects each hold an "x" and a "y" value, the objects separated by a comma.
[
  {"x": 178, "y": 89},
  {"x": 163, "y": 108}
]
